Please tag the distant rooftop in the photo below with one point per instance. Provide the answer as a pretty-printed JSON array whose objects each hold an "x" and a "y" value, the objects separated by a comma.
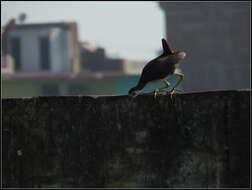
[
  {"x": 88, "y": 46},
  {"x": 64, "y": 25}
]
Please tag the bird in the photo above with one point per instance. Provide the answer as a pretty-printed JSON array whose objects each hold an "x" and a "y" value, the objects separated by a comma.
[{"x": 158, "y": 69}]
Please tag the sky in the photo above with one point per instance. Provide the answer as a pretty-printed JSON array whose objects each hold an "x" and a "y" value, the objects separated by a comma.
[{"x": 130, "y": 30}]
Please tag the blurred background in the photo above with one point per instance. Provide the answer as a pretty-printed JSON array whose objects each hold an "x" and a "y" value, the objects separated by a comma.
[{"x": 100, "y": 48}]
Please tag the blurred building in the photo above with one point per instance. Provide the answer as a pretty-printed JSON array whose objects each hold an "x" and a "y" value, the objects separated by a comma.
[
  {"x": 216, "y": 37},
  {"x": 95, "y": 59},
  {"x": 47, "y": 59},
  {"x": 133, "y": 67},
  {"x": 31, "y": 84},
  {"x": 42, "y": 47},
  {"x": 58, "y": 84}
]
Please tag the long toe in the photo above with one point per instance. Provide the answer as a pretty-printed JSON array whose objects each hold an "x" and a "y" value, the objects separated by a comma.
[
  {"x": 169, "y": 92},
  {"x": 155, "y": 93}
]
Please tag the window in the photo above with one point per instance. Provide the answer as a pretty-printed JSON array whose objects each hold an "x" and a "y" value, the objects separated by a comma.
[
  {"x": 16, "y": 52},
  {"x": 44, "y": 54}
]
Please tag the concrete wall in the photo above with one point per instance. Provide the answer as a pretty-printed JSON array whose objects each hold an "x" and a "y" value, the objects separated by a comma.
[{"x": 193, "y": 140}]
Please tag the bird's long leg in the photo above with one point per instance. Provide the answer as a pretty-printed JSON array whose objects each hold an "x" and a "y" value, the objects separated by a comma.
[
  {"x": 166, "y": 84},
  {"x": 182, "y": 76},
  {"x": 161, "y": 88},
  {"x": 171, "y": 92}
]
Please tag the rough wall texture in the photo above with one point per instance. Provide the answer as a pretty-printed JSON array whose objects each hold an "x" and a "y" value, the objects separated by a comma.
[{"x": 192, "y": 140}]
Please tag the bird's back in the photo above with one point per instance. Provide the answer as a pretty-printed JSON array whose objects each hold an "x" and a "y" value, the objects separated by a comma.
[
  {"x": 159, "y": 68},
  {"x": 156, "y": 70}
]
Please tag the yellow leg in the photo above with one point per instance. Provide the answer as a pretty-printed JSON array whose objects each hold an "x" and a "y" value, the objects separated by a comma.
[
  {"x": 166, "y": 84},
  {"x": 182, "y": 76}
]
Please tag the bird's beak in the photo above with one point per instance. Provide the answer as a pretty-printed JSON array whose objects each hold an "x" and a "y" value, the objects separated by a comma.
[{"x": 181, "y": 55}]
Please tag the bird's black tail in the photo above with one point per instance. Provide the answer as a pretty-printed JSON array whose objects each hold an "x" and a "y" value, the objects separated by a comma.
[{"x": 167, "y": 49}]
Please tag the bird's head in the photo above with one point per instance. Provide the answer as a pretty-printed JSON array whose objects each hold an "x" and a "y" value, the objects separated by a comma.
[
  {"x": 177, "y": 56},
  {"x": 133, "y": 92},
  {"x": 170, "y": 55}
]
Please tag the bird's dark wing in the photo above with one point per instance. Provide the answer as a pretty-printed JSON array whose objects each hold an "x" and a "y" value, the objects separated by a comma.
[{"x": 155, "y": 70}]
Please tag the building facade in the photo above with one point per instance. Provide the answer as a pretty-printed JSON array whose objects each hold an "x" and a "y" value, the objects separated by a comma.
[
  {"x": 43, "y": 47},
  {"x": 58, "y": 84},
  {"x": 95, "y": 59},
  {"x": 216, "y": 38},
  {"x": 48, "y": 60}
]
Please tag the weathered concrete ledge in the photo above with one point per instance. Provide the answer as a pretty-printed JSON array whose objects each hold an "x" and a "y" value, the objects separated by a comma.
[{"x": 194, "y": 140}]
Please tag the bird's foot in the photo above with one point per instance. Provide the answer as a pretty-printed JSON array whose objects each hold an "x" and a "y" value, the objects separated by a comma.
[
  {"x": 164, "y": 92},
  {"x": 170, "y": 92},
  {"x": 153, "y": 93},
  {"x": 156, "y": 92}
]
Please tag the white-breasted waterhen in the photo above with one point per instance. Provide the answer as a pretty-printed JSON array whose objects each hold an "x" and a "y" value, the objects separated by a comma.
[{"x": 158, "y": 69}]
